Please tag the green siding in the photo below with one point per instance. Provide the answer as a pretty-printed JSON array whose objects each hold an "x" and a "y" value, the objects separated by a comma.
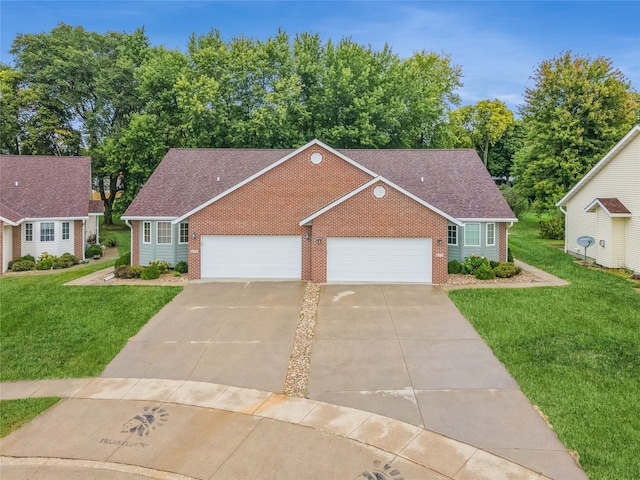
[
  {"x": 171, "y": 253},
  {"x": 461, "y": 251}
]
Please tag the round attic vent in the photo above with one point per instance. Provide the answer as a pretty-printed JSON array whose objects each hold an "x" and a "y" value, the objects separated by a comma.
[
  {"x": 316, "y": 158},
  {"x": 379, "y": 191}
]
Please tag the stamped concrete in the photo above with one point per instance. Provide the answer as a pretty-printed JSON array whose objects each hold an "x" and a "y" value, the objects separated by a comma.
[
  {"x": 233, "y": 333},
  {"x": 117, "y": 428}
]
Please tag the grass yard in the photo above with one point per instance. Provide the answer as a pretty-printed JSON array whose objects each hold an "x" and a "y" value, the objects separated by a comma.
[
  {"x": 575, "y": 351},
  {"x": 118, "y": 231},
  {"x": 52, "y": 331}
]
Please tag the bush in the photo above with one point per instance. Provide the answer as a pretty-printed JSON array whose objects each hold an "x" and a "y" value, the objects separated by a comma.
[
  {"x": 150, "y": 273},
  {"x": 161, "y": 265},
  {"x": 518, "y": 203},
  {"x": 112, "y": 242},
  {"x": 552, "y": 228},
  {"x": 509, "y": 256},
  {"x": 66, "y": 260},
  {"x": 129, "y": 271},
  {"x": 93, "y": 250},
  {"x": 181, "y": 267},
  {"x": 124, "y": 260},
  {"x": 505, "y": 270},
  {"x": 22, "y": 265},
  {"x": 472, "y": 263},
  {"x": 29, "y": 258},
  {"x": 493, "y": 264},
  {"x": 46, "y": 261},
  {"x": 484, "y": 272}
]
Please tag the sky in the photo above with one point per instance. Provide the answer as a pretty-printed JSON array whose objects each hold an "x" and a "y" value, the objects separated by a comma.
[{"x": 498, "y": 44}]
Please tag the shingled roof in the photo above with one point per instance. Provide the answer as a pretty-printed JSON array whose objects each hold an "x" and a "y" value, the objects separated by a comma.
[
  {"x": 34, "y": 186},
  {"x": 454, "y": 181}
]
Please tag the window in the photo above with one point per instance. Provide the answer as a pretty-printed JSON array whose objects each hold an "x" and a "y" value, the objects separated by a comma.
[
  {"x": 491, "y": 233},
  {"x": 146, "y": 232},
  {"x": 184, "y": 233},
  {"x": 65, "y": 230},
  {"x": 163, "y": 232},
  {"x": 472, "y": 235},
  {"x": 28, "y": 232},
  {"x": 46, "y": 232},
  {"x": 452, "y": 237}
]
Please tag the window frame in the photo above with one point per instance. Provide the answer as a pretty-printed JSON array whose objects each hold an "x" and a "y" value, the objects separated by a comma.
[
  {"x": 454, "y": 229},
  {"x": 146, "y": 232},
  {"x": 466, "y": 235},
  {"x": 28, "y": 232},
  {"x": 493, "y": 233},
  {"x": 47, "y": 234},
  {"x": 66, "y": 230},
  {"x": 164, "y": 236},
  {"x": 183, "y": 234}
]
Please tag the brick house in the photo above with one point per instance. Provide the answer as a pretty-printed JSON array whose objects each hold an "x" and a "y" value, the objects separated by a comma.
[
  {"x": 319, "y": 214},
  {"x": 45, "y": 206}
]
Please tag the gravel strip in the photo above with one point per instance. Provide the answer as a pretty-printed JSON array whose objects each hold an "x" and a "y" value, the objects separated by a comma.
[{"x": 295, "y": 384}]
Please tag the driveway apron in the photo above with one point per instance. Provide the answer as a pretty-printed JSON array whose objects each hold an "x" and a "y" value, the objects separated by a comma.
[
  {"x": 231, "y": 333},
  {"x": 406, "y": 352}
]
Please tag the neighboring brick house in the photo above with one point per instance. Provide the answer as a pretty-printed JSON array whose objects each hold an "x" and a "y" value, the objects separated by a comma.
[
  {"x": 319, "y": 214},
  {"x": 45, "y": 206}
]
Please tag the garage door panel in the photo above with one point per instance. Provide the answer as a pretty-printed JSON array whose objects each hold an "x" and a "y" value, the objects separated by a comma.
[
  {"x": 379, "y": 259},
  {"x": 251, "y": 256}
]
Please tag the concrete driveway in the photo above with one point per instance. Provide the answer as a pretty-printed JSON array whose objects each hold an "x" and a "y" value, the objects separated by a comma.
[
  {"x": 232, "y": 333},
  {"x": 406, "y": 352}
]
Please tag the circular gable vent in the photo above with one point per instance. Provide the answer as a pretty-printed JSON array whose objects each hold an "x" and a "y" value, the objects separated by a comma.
[
  {"x": 316, "y": 158},
  {"x": 379, "y": 191}
]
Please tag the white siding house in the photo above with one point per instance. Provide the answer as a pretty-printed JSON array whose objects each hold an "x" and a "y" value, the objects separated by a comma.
[{"x": 605, "y": 205}]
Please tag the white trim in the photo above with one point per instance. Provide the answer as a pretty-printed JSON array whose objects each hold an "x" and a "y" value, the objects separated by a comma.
[
  {"x": 170, "y": 242},
  {"x": 487, "y": 235},
  {"x": 368, "y": 184},
  {"x": 267, "y": 169},
  {"x": 600, "y": 165},
  {"x": 488, "y": 220},
  {"x": 180, "y": 242},
  {"x": 150, "y": 219},
  {"x": 452, "y": 244},
  {"x": 479, "y": 235},
  {"x": 150, "y": 232},
  {"x": 62, "y": 230},
  {"x": 24, "y": 229},
  {"x": 597, "y": 201},
  {"x": 9, "y": 222}
]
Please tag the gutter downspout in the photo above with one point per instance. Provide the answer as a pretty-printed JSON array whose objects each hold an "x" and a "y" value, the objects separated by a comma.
[
  {"x": 84, "y": 238},
  {"x": 131, "y": 238},
  {"x": 564, "y": 212}
]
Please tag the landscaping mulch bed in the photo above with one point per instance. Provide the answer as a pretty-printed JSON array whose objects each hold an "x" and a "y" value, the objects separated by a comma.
[{"x": 523, "y": 277}]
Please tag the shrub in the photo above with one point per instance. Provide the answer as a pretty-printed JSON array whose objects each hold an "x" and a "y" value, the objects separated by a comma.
[
  {"x": 46, "y": 261},
  {"x": 552, "y": 228},
  {"x": 93, "y": 250},
  {"x": 29, "y": 258},
  {"x": 66, "y": 260},
  {"x": 181, "y": 267},
  {"x": 123, "y": 260},
  {"x": 128, "y": 271},
  {"x": 493, "y": 264},
  {"x": 484, "y": 272},
  {"x": 505, "y": 270},
  {"x": 161, "y": 265},
  {"x": 472, "y": 263},
  {"x": 150, "y": 273},
  {"x": 518, "y": 203},
  {"x": 112, "y": 242},
  {"x": 509, "y": 256},
  {"x": 22, "y": 265}
]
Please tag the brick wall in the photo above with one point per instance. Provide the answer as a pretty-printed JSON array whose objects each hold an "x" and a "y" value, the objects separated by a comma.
[
  {"x": 276, "y": 202},
  {"x": 136, "y": 226},
  {"x": 17, "y": 241},
  {"x": 502, "y": 241},
  {"x": 78, "y": 239},
  {"x": 1, "y": 249},
  {"x": 394, "y": 215}
]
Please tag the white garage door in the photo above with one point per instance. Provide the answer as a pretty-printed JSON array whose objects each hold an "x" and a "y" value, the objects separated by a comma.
[
  {"x": 379, "y": 260},
  {"x": 251, "y": 256}
]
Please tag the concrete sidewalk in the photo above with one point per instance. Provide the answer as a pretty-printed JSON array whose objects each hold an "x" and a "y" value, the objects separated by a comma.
[{"x": 128, "y": 429}]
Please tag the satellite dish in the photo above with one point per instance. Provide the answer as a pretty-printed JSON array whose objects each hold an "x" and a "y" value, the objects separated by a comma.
[{"x": 585, "y": 241}]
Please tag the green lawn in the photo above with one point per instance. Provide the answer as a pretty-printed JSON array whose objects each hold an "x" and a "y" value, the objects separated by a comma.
[
  {"x": 118, "y": 231},
  {"x": 48, "y": 330},
  {"x": 575, "y": 351}
]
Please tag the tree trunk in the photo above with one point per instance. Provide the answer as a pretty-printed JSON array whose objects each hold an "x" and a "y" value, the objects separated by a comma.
[
  {"x": 486, "y": 152},
  {"x": 108, "y": 200}
]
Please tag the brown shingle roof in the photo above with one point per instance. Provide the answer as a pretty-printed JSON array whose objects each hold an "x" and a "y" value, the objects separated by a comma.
[
  {"x": 613, "y": 206},
  {"x": 455, "y": 181},
  {"x": 44, "y": 186}
]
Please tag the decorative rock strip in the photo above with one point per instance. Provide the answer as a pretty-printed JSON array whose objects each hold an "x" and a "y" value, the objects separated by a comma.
[{"x": 295, "y": 384}]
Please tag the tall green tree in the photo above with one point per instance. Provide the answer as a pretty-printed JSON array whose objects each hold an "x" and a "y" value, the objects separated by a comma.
[
  {"x": 83, "y": 84},
  {"x": 577, "y": 110}
]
